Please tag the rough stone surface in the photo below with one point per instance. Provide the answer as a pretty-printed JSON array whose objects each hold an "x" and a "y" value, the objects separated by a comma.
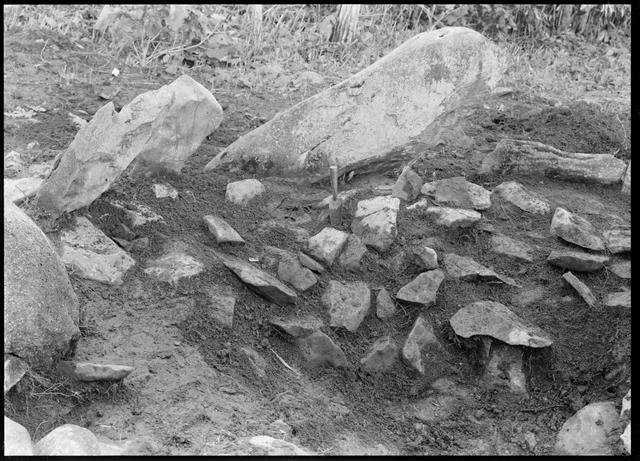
[
  {"x": 347, "y": 303},
  {"x": 423, "y": 289},
  {"x": 241, "y": 192},
  {"x": 352, "y": 254},
  {"x": 310, "y": 263},
  {"x": 159, "y": 129},
  {"x": 90, "y": 254},
  {"x": 463, "y": 268},
  {"x": 517, "y": 195},
  {"x": 587, "y": 432},
  {"x": 68, "y": 440},
  {"x": 222, "y": 230},
  {"x": 622, "y": 270},
  {"x": 577, "y": 260},
  {"x": 381, "y": 356},
  {"x": 582, "y": 289},
  {"x": 626, "y": 181},
  {"x": 222, "y": 309},
  {"x": 453, "y": 217},
  {"x": 291, "y": 271},
  {"x": 489, "y": 318},
  {"x": 575, "y": 229},
  {"x": 17, "y": 441},
  {"x": 319, "y": 350},
  {"x": 363, "y": 119},
  {"x": 425, "y": 257},
  {"x": 165, "y": 191},
  {"x": 298, "y": 327},
  {"x": 506, "y": 246},
  {"x": 385, "y": 307},
  {"x": 41, "y": 310},
  {"x": 14, "y": 370},
  {"x": 97, "y": 372},
  {"x": 420, "y": 205},
  {"x": 457, "y": 192},
  {"x": 375, "y": 221},
  {"x": 173, "y": 266},
  {"x": 618, "y": 240},
  {"x": 420, "y": 336},
  {"x": 19, "y": 189},
  {"x": 327, "y": 244},
  {"x": 408, "y": 185},
  {"x": 619, "y": 299},
  {"x": 535, "y": 158}
]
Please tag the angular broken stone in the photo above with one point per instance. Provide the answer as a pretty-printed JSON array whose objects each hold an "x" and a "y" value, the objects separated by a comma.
[
  {"x": 291, "y": 271},
  {"x": 297, "y": 327},
  {"x": 453, "y": 217},
  {"x": 489, "y": 318},
  {"x": 457, "y": 192},
  {"x": 575, "y": 229},
  {"x": 347, "y": 303},
  {"x": 159, "y": 129},
  {"x": 516, "y": 194},
  {"x": 408, "y": 185},
  {"x": 535, "y": 158},
  {"x": 622, "y": 270},
  {"x": 257, "y": 279},
  {"x": 164, "y": 191},
  {"x": 587, "y": 432},
  {"x": 381, "y": 356},
  {"x": 222, "y": 230},
  {"x": 99, "y": 372},
  {"x": 14, "y": 370},
  {"x": 222, "y": 309},
  {"x": 463, "y": 268},
  {"x": 425, "y": 257},
  {"x": 618, "y": 240},
  {"x": 375, "y": 221},
  {"x": 352, "y": 253},
  {"x": 173, "y": 266},
  {"x": 365, "y": 118},
  {"x": 506, "y": 246},
  {"x": 423, "y": 289},
  {"x": 310, "y": 263},
  {"x": 420, "y": 336},
  {"x": 626, "y": 180},
  {"x": 327, "y": 244},
  {"x": 319, "y": 350},
  {"x": 385, "y": 307},
  {"x": 577, "y": 260},
  {"x": 92, "y": 255},
  {"x": 582, "y": 289},
  {"x": 241, "y": 192},
  {"x": 20, "y": 189},
  {"x": 619, "y": 299}
]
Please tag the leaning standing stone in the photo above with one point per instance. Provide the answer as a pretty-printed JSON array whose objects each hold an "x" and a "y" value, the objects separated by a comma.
[
  {"x": 582, "y": 289},
  {"x": 575, "y": 229},
  {"x": 419, "y": 337},
  {"x": 221, "y": 230}
]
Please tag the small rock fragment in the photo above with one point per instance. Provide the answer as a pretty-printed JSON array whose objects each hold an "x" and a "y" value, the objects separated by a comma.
[
  {"x": 241, "y": 192},
  {"x": 408, "y": 185},
  {"x": 319, "y": 350},
  {"x": 583, "y": 290},
  {"x": 618, "y": 240},
  {"x": 375, "y": 221},
  {"x": 385, "y": 307},
  {"x": 506, "y": 246},
  {"x": 221, "y": 230},
  {"x": 420, "y": 336},
  {"x": 290, "y": 270},
  {"x": 457, "y": 192},
  {"x": 453, "y": 217},
  {"x": 13, "y": 164},
  {"x": 352, "y": 253},
  {"x": 97, "y": 372},
  {"x": 421, "y": 204},
  {"x": 423, "y": 289},
  {"x": 327, "y": 244},
  {"x": 381, "y": 356},
  {"x": 622, "y": 270},
  {"x": 425, "y": 257},
  {"x": 258, "y": 364},
  {"x": 164, "y": 191},
  {"x": 347, "y": 303},
  {"x": 619, "y": 299},
  {"x": 575, "y": 229}
]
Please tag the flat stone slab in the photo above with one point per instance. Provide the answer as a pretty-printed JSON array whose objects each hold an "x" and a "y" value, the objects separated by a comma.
[
  {"x": 463, "y": 268},
  {"x": 420, "y": 336},
  {"x": 375, "y": 221},
  {"x": 298, "y": 327},
  {"x": 457, "y": 192},
  {"x": 291, "y": 271},
  {"x": 165, "y": 191},
  {"x": 363, "y": 119},
  {"x": 582, "y": 289},
  {"x": 352, "y": 254},
  {"x": 381, "y": 356},
  {"x": 90, "y": 254},
  {"x": 260, "y": 281},
  {"x": 587, "y": 432},
  {"x": 327, "y": 244},
  {"x": 385, "y": 307},
  {"x": 222, "y": 230},
  {"x": 489, "y": 318},
  {"x": 511, "y": 248},
  {"x": 408, "y": 185},
  {"x": 618, "y": 240},
  {"x": 619, "y": 299},
  {"x": 575, "y": 229},
  {"x": 241, "y": 192},
  {"x": 319, "y": 350},
  {"x": 517, "y": 195},
  {"x": 347, "y": 303},
  {"x": 577, "y": 260},
  {"x": 453, "y": 217},
  {"x": 423, "y": 289},
  {"x": 97, "y": 372},
  {"x": 173, "y": 266},
  {"x": 622, "y": 270}
]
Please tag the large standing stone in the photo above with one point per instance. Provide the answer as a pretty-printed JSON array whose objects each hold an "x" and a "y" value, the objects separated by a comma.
[
  {"x": 582, "y": 289},
  {"x": 352, "y": 254},
  {"x": 375, "y": 221},
  {"x": 463, "y": 268},
  {"x": 92, "y": 255},
  {"x": 575, "y": 229},
  {"x": 586, "y": 433},
  {"x": 577, "y": 260},
  {"x": 222, "y": 230},
  {"x": 393, "y": 101},
  {"x": 489, "y": 318},
  {"x": 381, "y": 356},
  {"x": 618, "y": 240},
  {"x": 159, "y": 129},
  {"x": 408, "y": 185},
  {"x": 347, "y": 303},
  {"x": 535, "y": 158},
  {"x": 327, "y": 244},
  {"x": 241, "y": 192},
  {"x": 290, "y": 270},
  {"x": 420, "y": 336},
  {"x": 319, "y": 350},
  {"x": 41, "y": 310},
  {"x": 515, "y": 194},
  {"x": 506, "y": 246},
  {"x": 457, "y": 192},
  {"x": 68, "y": 440},
  {"x": 453, "y": 217},
  {"x": 423, "y": 289},
  {"x": 17, "y": 441}
]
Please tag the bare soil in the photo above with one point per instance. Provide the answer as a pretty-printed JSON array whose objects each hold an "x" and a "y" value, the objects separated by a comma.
[{"x": 193, "y": 390}]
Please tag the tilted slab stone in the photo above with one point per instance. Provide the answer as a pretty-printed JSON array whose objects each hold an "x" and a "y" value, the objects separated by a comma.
[
  {"x": 420, "y": 336},
  {"x": 618, "y": 240},
  {"x": 319, "y": 350},
  {"x": 327, "y": 244},
  {"x": 453, "y": 217},
  {"x": 506, "y": 360},
  {"x": 425, "y": 257},
  {"x": 457, "y": 192},
  {"x": 582, "y": 289},
  {"x": 310, "y": 263},
  {"x": 408, "y": 185},
  {"x": 364, "y": 118},
  {"x": 517, "y": 195},
  {"x": 531, "y": 158},
  {"x": 265, "y": 284},
  {"x": 222, "y": 230},
  {"x": 506, "y": 246},
  {"x": 381, "y": 356},
  {"x": 575, "y": 229},
  {"x": 461, "y": 267},
  {"x": 577, "y": 260},
  {"x": 587, "y": 432},
  {"x": 159, "y": 129},
  {"x": 489, "y": 318},
  {"x": 90, "y": 254},
  {"x": 298, "y": 327},
  {"x": 375, "y": 221},
  {"x": 423, "y": 289},
  {"x": 347, "y": 303}
]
